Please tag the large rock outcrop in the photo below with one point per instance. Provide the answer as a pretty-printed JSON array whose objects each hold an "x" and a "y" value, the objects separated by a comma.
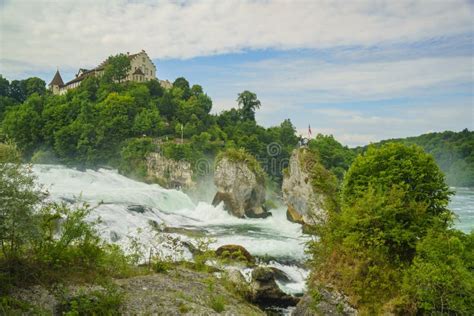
[
  {"x": 305, "y": 206},
  {"x": 240, "y": 187},
  {"x": 169, "y": 173}
]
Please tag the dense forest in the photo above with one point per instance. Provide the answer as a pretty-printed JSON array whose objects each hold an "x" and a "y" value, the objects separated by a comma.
[
  {"x": 104, "y": 122},
  {"x": 453, "y": 152}
]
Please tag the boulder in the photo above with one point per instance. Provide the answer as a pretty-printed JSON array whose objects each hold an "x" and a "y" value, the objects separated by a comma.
[
  {"x": 234, "y": 252},
  {"x": 305, "y": 206},
  {"x": 240, "y": 188},
  {"x": 169, "y": 173},
  {"x": 329, "y": 303},
  {"x": 265, "y": 291}
]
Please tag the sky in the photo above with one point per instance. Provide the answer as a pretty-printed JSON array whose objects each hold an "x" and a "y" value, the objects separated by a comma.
[{"x": 362, "y": 71}]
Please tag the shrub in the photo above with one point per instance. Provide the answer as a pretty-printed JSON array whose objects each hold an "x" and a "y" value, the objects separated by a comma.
[
  {"x": 99, "y": 302},
  {"x": 441, "y": 278},
  {"x": 217, "y": 303},
  {"x": 66, "y": 239},
  {"x": 391, "y": 198},
  {"x": 18, "y": 196}
]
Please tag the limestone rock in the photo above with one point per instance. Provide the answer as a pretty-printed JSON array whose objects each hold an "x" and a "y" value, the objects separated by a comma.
[
  {"x": 168, "y": 172},
  {"x": 241, "y": 189},
  {"x": 304, "y": 204}
]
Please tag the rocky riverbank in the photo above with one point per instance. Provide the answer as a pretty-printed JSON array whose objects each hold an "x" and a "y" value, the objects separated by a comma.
[{"x": 180, "y": 291}]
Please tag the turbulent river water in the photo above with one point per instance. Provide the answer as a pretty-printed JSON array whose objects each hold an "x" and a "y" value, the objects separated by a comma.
[{"x": 280, "y": 242}]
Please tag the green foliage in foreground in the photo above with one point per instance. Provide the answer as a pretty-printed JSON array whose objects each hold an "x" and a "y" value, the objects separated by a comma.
[
  {"x": 441, "y": 279},
  {"x": 46, "y": 242},
  {"x": 453, "y": 152},
  {"x": 390, "y": 247},
  {"x": 98, "y": 302}
]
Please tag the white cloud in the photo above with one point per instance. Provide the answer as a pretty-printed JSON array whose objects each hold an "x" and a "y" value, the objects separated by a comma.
[
  {"x": 360, "y": 127},
  {"x": 81, "y": 33},
  {"x": 361, "y": 81}
]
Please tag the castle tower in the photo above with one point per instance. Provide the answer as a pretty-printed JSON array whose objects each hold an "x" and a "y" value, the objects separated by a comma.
[{"x": 56, "y": 84}]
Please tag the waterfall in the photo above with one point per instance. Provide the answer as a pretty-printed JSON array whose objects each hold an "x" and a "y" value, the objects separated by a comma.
[{"x": 126, "y": 207}]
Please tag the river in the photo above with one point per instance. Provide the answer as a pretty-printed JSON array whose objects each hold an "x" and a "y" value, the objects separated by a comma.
[
  {"x": 280, "y": 242},
  {"x": 277, "y": 241}
]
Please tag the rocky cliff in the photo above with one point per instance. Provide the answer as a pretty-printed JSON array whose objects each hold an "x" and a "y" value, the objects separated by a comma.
[
  {"x": 240, "y": 185},
  {"x": 304, "y": 204},
  {"x": 168, "y": 172}
]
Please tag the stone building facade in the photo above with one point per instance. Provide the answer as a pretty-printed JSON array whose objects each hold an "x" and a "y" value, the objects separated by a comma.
[{"x": 142, "y": 69}]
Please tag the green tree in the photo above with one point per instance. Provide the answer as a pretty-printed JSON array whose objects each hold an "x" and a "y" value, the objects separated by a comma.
[
  {"x": 18, "y": 197},
  {"x": 4, "y": 87},
  {"x": 35, "y": 85},
  {"x": 392, "y": 196},
  {"x": 183, "y": 84},
  {"x": 441, "y": 279},
  {"x": 17, "y": 90},
  {"x": 408, "y": 167},
  {"x": 116, "y": 68},
  {"x": 155, "y": 88},
  {"x": 248, "y": 103},
  {"x": 333, "y": 155},
  {"x": 148, "y": 122},
  {"x": 24, "y": 124}
]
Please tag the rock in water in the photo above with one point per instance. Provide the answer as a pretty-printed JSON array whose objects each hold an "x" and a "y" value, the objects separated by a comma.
[
  {"x": 169, "y": 173},
  {"x": 138, "y": 208},
  {"x": 235, "y": 252},
  {"x": 305, "y": 206},
  {"x": 240, "y": 187},
  {"x": 265, "y": 290}
]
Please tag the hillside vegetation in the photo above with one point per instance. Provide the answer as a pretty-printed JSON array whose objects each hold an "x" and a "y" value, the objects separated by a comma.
[
  {"x": 103, "y": 122},
  {"x": 453, "y": 152}
]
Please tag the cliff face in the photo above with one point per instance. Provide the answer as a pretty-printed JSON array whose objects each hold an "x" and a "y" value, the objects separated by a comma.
[
  {"x": 168, "y": 172},
  {"x": 304, "y": 204},
  {"x": 240, "y": 188}
]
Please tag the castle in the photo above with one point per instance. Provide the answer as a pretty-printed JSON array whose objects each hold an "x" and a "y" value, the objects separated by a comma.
[{"x": 142, "y": 69}]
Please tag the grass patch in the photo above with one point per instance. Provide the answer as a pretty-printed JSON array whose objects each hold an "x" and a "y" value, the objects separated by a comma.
[
  {"x": 217, "y": 303},
  {"x": 106, "y": 302}
]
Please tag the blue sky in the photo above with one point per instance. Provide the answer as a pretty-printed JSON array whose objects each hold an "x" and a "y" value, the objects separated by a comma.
[{"x": 360, "y": 70}]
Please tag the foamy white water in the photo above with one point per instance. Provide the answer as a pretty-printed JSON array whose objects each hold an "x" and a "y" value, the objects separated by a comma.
[{"x": 110, "y": 193}]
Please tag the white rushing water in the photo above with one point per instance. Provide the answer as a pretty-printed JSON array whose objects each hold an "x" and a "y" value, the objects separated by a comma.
[{"x": 110, "y": 193}]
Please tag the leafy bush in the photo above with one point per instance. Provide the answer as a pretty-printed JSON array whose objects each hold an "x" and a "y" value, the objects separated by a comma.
[
  {"x": 98, "y": 302},
  {"x": 392, "y": 197},
  {"x": 18, "y": 196},
  {"x": 66, "y": 238},
  {"x": 441, "y": 278},
  {"x": 453, "y": 152}
]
